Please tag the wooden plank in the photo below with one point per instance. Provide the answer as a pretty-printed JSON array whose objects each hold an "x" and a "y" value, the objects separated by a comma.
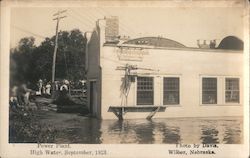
[
  {"x": 77, "y": 93},
  {"x": 138, "y": 108},
  {"x": 153, "y": 113},
  {"x": 118, "y": 113}
]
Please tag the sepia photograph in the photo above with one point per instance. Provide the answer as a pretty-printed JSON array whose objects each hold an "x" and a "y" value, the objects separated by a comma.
[{"x": 127, "y": 74}]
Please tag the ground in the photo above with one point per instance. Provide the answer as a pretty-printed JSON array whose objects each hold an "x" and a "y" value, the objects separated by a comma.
[{"x": 43, "y": 123}]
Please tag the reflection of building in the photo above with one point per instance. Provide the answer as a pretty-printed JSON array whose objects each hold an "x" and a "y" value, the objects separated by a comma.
[
  {"x": 138, "y": 76},
  {"x": 218, "y": 130}
]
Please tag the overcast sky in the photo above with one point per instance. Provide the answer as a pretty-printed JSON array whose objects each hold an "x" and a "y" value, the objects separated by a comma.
[{"x": 184, "y": 25}]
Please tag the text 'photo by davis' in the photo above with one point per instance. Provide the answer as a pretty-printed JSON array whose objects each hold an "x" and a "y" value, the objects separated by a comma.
[{"x": 118, "y": 75}]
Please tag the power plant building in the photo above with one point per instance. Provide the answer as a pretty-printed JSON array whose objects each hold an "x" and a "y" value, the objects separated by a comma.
[{"x": 158, "y": 77}]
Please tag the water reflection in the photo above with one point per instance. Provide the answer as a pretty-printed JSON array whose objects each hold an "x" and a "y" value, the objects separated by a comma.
[
  {"x": 209, "y": 135},
  {"x": 231, "y": 134},
  {"x": 148, "y": 135},
  {"x": 157, "y": 131},
  {"x": 87, "y": 131},
  {"x": 171, "y": 135}
]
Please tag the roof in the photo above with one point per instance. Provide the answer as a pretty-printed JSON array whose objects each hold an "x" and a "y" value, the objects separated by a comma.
[
  {"x": 228, "y": 44},
  {"x": 155, "y": 41},
  {"x": 231, "y": 42}
]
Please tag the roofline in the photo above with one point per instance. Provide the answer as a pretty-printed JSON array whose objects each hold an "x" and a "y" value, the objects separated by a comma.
[
  {"x": 174, "y": 48},
  {"x": 135, "y": 39}
]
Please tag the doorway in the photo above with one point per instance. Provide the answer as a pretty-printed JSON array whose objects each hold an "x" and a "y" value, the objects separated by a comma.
[{"x": 93, "y": 98}]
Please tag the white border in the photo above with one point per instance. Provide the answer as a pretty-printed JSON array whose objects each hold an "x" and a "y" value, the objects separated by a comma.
[{"x": 115, "y": 150}]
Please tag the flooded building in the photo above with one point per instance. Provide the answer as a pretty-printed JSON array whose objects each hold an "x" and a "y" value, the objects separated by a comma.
[{"x": 158, "y": 77}]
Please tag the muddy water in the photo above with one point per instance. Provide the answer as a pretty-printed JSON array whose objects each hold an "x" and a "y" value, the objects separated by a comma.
[{"x": 156, "y": 131}]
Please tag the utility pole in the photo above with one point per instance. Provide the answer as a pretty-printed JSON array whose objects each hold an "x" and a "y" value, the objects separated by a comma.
[{"x": 57, "y": 16}]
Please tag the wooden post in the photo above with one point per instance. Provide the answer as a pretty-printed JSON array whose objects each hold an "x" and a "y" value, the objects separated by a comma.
[{"x": 58, "y": 18}]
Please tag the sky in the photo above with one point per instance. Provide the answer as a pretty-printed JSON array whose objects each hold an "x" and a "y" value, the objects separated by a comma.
[{"x": 184, "y": 25}]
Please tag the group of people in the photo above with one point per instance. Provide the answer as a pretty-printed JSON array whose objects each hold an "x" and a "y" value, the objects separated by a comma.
[
  {"x": 21, "y": 95},
  {"x": 44, "y": 88}
]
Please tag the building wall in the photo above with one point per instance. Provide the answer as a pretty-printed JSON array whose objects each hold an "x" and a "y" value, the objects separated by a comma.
[
  {"x": 190, "y": 65},
  {"x": 93, "y": 69}
]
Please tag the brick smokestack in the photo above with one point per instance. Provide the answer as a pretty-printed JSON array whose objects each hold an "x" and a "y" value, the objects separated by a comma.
[{"x": 112, "y": 29}]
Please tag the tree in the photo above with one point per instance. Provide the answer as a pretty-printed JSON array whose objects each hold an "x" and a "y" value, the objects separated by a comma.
[
  {"x": 20, "y": 57},
  {"x": 70, "y": 56},
  {"x": 30, "y": 63}
]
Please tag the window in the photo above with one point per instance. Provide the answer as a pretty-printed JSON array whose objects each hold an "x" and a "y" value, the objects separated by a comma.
[
  {"x": 232, "y": 94},
  {"x": 171, "y": 90},
  {"x": 209, "y": 90},
  {"x": 145, "y": 91}
]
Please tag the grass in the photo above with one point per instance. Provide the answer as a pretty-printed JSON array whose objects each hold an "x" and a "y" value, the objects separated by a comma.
[
  {"x": 24, "y": 127},
  {"x": 28, "y": 126}
]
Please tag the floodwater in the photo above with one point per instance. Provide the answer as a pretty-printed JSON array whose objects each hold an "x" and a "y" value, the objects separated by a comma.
[{"x": 224, "y": 130}]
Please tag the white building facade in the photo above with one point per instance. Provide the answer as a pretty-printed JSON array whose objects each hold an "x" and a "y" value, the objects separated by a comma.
[{"x": 161, "y": 77}]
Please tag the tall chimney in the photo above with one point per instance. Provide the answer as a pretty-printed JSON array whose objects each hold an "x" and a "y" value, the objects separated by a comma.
[
  {"x": 112, "y": 28},
  {"x": 212, "y": 44}
]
